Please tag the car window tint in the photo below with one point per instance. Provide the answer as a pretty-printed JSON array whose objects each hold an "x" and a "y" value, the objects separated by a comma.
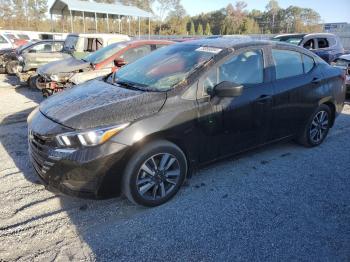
[
  {"x": 246, "y": 69},
  {"x": 322, "y": 43},
  {"x": 310, "y": 44},
  {"x": 288, "y": 63},
  {"x": 308, "y": 63},
  {"x": 133, "y": 54}
]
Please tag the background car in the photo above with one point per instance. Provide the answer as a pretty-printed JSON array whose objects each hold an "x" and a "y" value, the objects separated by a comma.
[
  {"x": 27, "y": 59},
  {"x": 142, "y": 129},
  {"x": 325, "y": 45},
  {"x": 75, "y": 45},
  {"x": 54, "y": 77},
  {"x": 344, "y": 63},
  {"x": 9, "y": 58}
]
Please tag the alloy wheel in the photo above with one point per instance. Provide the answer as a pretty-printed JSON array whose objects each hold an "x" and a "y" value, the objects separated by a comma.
[
  {"x": 158, "y": 176},
  {"x": 319, "y": 127}
]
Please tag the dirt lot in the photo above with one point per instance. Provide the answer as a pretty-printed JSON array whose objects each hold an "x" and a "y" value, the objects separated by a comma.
[{"x": 279, "y": 203}]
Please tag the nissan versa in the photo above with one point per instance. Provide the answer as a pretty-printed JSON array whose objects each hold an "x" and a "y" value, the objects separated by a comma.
[{"x": 141, "y": 130}]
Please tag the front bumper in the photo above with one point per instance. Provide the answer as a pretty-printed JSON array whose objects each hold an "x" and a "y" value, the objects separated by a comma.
[{"x": 90, "y": 172}]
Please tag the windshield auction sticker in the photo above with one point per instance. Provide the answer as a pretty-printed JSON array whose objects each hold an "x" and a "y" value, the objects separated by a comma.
[{"x": 209, "y": 49}]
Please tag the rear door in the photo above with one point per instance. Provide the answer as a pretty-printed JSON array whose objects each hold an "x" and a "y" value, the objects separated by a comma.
[
  {"x": 233, "y": 124},
  {"x": 296, "y": 77}
]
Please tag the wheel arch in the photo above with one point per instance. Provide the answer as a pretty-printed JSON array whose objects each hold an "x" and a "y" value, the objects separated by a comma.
[{"x": 331, "y": 106}]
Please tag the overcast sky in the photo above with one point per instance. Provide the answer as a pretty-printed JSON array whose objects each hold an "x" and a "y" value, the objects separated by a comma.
[{"x": 330, "y": 10}]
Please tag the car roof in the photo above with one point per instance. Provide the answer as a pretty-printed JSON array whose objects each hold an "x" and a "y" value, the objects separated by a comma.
[
  {"x": 150, "y": 41},
  {"x": 234, "y": 42}
]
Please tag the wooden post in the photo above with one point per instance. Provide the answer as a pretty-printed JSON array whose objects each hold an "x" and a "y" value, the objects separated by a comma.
[{"x": 71, "y": 21}]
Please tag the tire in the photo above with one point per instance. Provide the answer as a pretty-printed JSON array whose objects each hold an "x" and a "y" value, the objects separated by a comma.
[
  {"x": 11, "y": 67},
  {"x": 317, "y": 127},
  {"x": 146, "y": 181},
  {"x": 32, "y": 81}
]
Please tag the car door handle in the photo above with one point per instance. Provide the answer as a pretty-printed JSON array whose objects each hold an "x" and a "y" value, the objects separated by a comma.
[
  {"x": 264, "y": 99},
  {"x": 316, "y": 80}
]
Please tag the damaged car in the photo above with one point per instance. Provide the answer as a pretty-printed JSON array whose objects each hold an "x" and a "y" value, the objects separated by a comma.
[
  {"x": 75, "y": 45},
  {"x": 56, "y": 76},
  {"x": 143, "y": 129},
  {"x": 10, "y": 58}
]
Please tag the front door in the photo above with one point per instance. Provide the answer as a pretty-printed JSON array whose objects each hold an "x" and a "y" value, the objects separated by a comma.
[{"x": 233, "y": 124}]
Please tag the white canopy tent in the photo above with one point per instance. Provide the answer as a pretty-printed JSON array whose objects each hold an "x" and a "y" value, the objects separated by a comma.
[{"x": 95, "y": 10}]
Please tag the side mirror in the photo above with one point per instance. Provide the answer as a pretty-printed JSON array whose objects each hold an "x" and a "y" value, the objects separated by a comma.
[
  {"x": 228, "y": 89},
  {"x": 119, "y": 62}
]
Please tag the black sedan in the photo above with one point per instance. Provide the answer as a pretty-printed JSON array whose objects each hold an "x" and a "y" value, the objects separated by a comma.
[{"x": 143, "y": 129}]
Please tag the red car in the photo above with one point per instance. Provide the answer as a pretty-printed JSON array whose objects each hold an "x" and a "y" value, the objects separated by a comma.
[{"x": 56, "y": 76}]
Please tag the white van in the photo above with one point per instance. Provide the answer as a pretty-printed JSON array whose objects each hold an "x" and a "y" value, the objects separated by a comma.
[{"x": 80, "y": 44}]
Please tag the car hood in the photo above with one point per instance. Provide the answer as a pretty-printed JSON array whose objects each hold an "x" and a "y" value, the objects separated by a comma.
[
  {"x": 67, "y": 65},
  {"x": 97, "y": 103}
]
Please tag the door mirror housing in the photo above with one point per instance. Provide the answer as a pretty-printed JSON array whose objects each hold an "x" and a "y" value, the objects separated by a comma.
[
  {"x": 228, "y": 89},
  {"x": 119, "y": 62}
]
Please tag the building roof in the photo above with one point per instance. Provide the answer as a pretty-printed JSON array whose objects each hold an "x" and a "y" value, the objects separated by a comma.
[{"x": 89, "y": 8}]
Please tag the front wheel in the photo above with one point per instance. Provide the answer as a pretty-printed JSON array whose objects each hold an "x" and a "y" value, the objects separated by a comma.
[
  {"x": 154, "y": 174},
  {"x": 11, "y": 67},
  {"x": 317, "y": 128}
]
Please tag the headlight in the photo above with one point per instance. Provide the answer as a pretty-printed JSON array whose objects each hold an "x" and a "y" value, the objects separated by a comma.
[
  {"x": 54, "y": 78},
  {"x": 89, "y": 138},
  {"x": 61, "y": 77}
]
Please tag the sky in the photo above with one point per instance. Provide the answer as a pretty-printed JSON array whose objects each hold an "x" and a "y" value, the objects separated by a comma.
[{"x": 331, "y": 11}]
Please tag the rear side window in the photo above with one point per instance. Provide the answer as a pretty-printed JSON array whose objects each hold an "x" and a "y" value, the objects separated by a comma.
[
  {"x": 288, "y": 63},
  {"x": 310, "y": 44},
  {"x": 57, "y": 46},
  {"x": 133, "y": 54},
  {"x": 322, "y": 42},
  {"x": 309, "y": 63}
]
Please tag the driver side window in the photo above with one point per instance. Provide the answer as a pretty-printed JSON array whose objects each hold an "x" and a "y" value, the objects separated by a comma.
[{"x": 246, "y": 68}]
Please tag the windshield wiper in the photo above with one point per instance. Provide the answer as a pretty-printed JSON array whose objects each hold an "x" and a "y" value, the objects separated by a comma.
[{"x": 129, "y": 85}]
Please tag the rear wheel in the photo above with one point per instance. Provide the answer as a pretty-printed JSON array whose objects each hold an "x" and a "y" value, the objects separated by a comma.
[
  {"x": 317, "y": 128},
  {"x": 11, "y": 67},
  {"x": 154, "y": 174}
]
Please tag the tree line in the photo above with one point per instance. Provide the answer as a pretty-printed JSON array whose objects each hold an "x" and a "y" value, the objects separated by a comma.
[{"x": 171, "y": 18}]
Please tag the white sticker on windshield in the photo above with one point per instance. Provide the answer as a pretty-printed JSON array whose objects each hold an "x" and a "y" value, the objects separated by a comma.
[{"x": 213, "y": 50}]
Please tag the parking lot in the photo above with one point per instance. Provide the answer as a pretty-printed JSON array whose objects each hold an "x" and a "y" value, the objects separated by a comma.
[{"x": 279, "y": 203}]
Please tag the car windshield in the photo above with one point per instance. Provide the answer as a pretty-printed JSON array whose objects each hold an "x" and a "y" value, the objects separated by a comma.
[
  {"x": 294, "y": 40},
  {"x": 104, "y": 53},
  {"x": 164, "y": 68}
]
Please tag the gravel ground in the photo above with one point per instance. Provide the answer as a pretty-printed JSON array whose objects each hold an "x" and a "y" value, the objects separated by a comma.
[{"x": 279, "y": 203}]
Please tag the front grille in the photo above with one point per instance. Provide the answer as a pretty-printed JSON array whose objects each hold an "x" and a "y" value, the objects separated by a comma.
[{"x": 39, "y": 149}]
